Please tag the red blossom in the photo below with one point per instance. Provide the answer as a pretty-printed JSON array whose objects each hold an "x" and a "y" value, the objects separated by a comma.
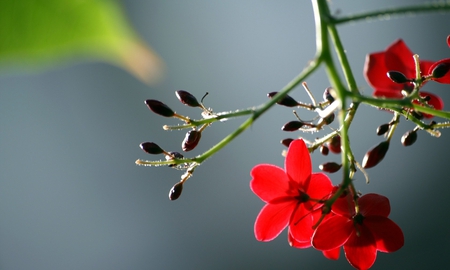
[
  {"x": 361, "y": 234},
  {"x": 292, "y": 195},
  {"x": 398, "y": 57}
]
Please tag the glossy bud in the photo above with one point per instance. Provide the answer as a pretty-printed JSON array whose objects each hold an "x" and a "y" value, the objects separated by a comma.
[
  {"x": 335, "y": 144},
  {"x": 327, "y": 94},
  {"x": 330, "y": 167},
  {"x": 324, "y": 150},
  {"x": 397, "y": 77},
  {"x": 287, "y": 101},
  {"x": 174, "y": 155},
  {"x": 151, "y": 148},
  {"x": 286, "y": 142},
  {"x": 375, "y": 155},
  {"x": 382, "y": 129},
  {"x": 409, "y": 138},
  {"x": 292, "y": 126},
  {"x": 191, "y": 140},
  {"x": 329, "y": 119},
  {"x": 175, "y": 191},
  {"x": 187, "y": 98},
  {"x": 159, "y": 108},
  {"x": 440, "y": 70}
]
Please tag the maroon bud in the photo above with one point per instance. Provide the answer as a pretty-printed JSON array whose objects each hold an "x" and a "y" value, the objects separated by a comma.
[
  {"x": 417, "y": 115},
  {"x": 159, "y": 108},
  {"x": 175, "y": 191},
  {"x": 440, "y": 70},
  {"x": 327, "y": 94},
  {"x": 330, "y": 167},
  {"x": 172, "y": 156},
  {"x": 187, "y": 98},
  {"x": 324, "y": 150},
  {"x": 383, "y": 129},
  {"x": 287, "y": 101},
  {"x": 375, "y": 155},
  {"x": 329, "y": 119},
  {"x": 409, "y": 138},
  {"x": 335, "y": 144},
  {"x": 191, "y": 140},
  {"x": 397, "y": 77},
  {"x": 151, "y": 148},
  {"x": 286, "y": 142},
  {"x": 292, "y": 126}
]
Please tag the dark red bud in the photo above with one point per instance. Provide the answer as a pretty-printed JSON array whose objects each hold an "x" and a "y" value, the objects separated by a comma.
[
  {"x": 286, "y": 142},
  {"x": 417, "y": 115},
  {"x": 324, "y": 150},
  {"x": 383, "y": 129},
  {"x": 191, "y": 140},
  {"x": 409, "y": 138},
  {"x": 187, "y": 98},
  {"x": 397, "y": 77},
  {"x": 175, "y": 191},
  {"x": 330, "y": 167},
  {"x": 335, "y": 144},
  {"x": 375, "y": 155},
  {"x": 151, "y": 148},
  {"x": 327, "y": 94},
  {"x": 287, "y": 101},
  {"x": 329, "y": 119},
  {"x": 440, "y": 70},
  {"x": 292, "y": 126},
  {"x": 172, "y": 156},
  {"x": 159, "y": 108}
]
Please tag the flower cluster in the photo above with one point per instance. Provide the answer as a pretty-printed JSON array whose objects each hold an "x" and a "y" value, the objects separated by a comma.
[{"x": 297, "y": 198}]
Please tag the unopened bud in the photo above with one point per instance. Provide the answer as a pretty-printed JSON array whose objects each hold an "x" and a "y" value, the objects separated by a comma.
[
  {"x": 335, "y": 144},
  {"x": 330, "y": 167},
  {"x": 159, "y": 108},
  {"x": 292, "y": 126},
  {"x": 172, "y": 156},
  {"x": 286, "y": 142},
  {"x": 440, "y": 70},
  {"x": 287, "y": 101},
  {"x": 375, "y": 155},
  {"x": 329, "y": 119},
  {"x": 397, "y": 77},
  {"x": 382, "y": 129},
  {"x": 409, "y": 138},
  {"x": 327, "y": 94},
  {"x": 324, "y": 150},
  {"x": 151, "y": 148},
  {"x": 187, "y": 98},
  {"x": 175, "y": 191},
  {"x": 191, "y": 140}
]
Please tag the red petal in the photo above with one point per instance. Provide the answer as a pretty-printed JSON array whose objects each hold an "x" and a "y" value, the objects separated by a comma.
[
  {"x": 332, "y": 233},
  {"x": 446, "y": 77},
  {"x": 434, "y": 101},
  {"x": 272, "y": 219},
  {"x": 344, "y": 206},
  {"x": 297, "y": 244},
  {"x": 374, "y": 205},
  {"x": 320, "y": 186},
  {"x": 388, "y": 235},
  {"x": 448, "y": 40},
  {"x": 332, "y": 254},
  {"x": 269, "y": 182},
  {"x": 298, "y": 163},
  {"x": 400, "y": 58},
  {"x": 375, "y": 72},
  {"x": 361, "y": 250},
  {"x": 301, "y": 224}
]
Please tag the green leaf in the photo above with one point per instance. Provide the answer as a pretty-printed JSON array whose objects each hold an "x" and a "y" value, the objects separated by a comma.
[{"x": 42, "y": 33}]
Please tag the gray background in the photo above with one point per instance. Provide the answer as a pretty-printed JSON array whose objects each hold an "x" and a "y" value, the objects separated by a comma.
[{"x": 71, "y": 196}]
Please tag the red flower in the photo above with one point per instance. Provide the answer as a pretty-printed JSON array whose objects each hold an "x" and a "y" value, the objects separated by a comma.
[
  {"x": 398, "y": 57},
  {"x": 362, "y": 234},
  {"x": 292, "y": 195}
]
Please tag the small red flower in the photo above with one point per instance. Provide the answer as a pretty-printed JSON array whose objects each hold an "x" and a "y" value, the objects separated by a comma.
[
  {"x": 398, "y": 57},
  {"x": 292, "y": 195},
  {"x": 361, "y": 234}
]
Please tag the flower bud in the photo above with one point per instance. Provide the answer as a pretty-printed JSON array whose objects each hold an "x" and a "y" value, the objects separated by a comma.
[
  {"x": 409, "y": 138},
  {"x": 292, "y": 126},
  {"x": 335, "y": 144},
  {"x": 382, "y": 129},
  {"x": 329, "y": 119},
  {"x": 324, "y": 150},
  {"x": 330, "y": 167},
  {"x": 327, "y": 95},
  {"x": 159, "y": 108},
  {"x": 286, "y": 142},
  {"x": 175, "y": 191},
  {"x": 397, "y": 77},
  {"x": 151, "y": 148},
  {"x": 287, "y": 101},
  {"x": 191, "y": 140},
  {"x": 375, "y": 155},
  {"x": 172, "y": 156},
  {"x": 440, "y": 70},
  {"x": 187, "y": 98}
]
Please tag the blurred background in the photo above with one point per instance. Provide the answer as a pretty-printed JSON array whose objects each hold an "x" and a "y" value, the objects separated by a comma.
[{"x": 71, "y": 196}]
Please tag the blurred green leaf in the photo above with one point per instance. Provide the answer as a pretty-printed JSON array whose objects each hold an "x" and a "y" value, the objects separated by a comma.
[{"x": 42, "y": 33}]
